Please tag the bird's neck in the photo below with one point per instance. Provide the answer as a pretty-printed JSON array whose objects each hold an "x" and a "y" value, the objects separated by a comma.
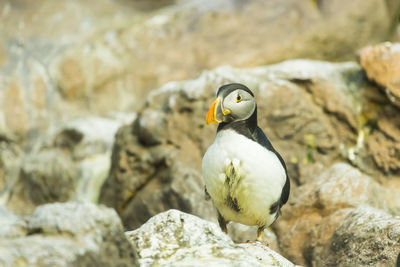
[{"x": 245, "y": 127}]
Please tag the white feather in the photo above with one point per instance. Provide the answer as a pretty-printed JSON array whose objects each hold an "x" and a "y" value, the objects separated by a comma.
[{"x": 259, "y": 182}]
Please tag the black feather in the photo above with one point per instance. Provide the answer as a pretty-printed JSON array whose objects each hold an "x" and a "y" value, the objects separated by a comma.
[{"x": 229, "y": 88}]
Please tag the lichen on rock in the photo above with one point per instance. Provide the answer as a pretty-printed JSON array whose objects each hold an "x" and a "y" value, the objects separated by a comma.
[
  {"x": 69, "y": 234},
  {"x": 174, "y": 238}
]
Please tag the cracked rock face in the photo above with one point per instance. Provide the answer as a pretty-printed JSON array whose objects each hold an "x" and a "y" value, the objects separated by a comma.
[
  {"x": 69, "y": 234},
  {"x": 382, "y": 64},
  {"x": 174, "y": 238},
  {"x": 365, "y": 237},
  {"x": 48, "y": 176},
  {"x": 318, "y": 209},
  {"x": 107, "y": 55},
  {"x": 70, "y": 163},
  {"x": 10, "y": 162}
]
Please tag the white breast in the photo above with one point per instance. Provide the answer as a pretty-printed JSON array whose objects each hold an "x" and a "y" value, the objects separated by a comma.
[{"x": 262, "y": 178}]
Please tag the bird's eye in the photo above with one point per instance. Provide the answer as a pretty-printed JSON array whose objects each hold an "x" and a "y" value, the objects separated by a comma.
[{"x": 238, "y": 98}]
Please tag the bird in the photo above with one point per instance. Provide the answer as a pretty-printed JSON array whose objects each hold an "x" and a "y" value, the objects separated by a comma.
[{"x": 244, "y": 175}]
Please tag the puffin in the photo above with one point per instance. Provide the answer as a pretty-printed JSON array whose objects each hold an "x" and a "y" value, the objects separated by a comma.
[{"x": 244, "y": 175}]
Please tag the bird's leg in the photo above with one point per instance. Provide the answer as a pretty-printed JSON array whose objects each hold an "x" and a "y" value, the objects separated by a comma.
[
  {"x": 260, "y": 233},
  {"x": 222, "y": 223}
]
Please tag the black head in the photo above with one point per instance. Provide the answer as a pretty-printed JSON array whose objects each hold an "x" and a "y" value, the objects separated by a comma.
[
  {"x": 226, "y": 89},
  {"x": 235, "y": 106}
]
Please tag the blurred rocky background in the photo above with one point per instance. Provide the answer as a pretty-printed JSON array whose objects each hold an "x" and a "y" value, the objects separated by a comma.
[{"x": 103, "y": 103}]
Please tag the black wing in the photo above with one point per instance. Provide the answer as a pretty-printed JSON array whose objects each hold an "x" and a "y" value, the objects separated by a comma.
[{"x": 262, "y": 139}]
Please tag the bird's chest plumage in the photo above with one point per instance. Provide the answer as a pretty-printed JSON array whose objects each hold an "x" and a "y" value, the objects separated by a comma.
[{"x": 243, "y": 178}]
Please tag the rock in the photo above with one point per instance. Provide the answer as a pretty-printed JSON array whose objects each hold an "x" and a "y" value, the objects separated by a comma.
[
  {"x": 87, "y": 135},
  {"x": 110, "y": 54},
  {"x": 70, "y": 234},
  {"x": 10, "y": 161},
  {"x": 174, "y": 238},
  {"x": 240, "y": 233},
  {"x": 48, "y": 176},
  {"x": 11, "y": 225},
  {"x": 152, "y": 5},
  {"x": 317, "y": 208},
  {"x": 383, "y": 148},
  {"x": 90, "y": 141},
  {"x": 365, "y": 237},
  {"x": 36, "y": 98},
  {"x": 93, "y": 171},
  {"x": 382, "y": 63},
  {"x": 184, "y": 29},
  {"x": 71, "y": 163}
]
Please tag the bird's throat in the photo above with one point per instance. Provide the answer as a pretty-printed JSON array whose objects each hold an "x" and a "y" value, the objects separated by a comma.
[{"x": 245, "y": 127}]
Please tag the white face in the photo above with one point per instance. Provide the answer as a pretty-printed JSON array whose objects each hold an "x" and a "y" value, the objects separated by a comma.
[{"x": 240, "y": 103}]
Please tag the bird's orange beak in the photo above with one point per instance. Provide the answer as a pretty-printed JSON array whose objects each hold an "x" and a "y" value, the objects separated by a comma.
[
  {"x": 216, "y": 112},
  {"x": 211, "y": 114}
]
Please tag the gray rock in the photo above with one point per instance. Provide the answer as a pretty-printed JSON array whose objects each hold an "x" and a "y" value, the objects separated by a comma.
[
  {"x": 105, "y": 58},
  {"x": 11, "y": 225},
  {"x": 317, "y": 208},
  {"x": 90, "y": 141},
  {"x": 48, "y": 176},
  {"x": 10, "y": 161},
  {"x": 174, "y": 238},
  {"x": 88, "y": 135},
  {"x": 366, "y": 237},
  {"x": 71, "y": 163},
  {"x": 70, "y": 234}
]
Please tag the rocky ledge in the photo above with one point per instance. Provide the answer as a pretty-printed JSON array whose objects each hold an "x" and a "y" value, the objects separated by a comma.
[
  {"x": 78, "y": 234},
  {"x": 174, "y": 238},
  {"x": 68, "y": 234}
]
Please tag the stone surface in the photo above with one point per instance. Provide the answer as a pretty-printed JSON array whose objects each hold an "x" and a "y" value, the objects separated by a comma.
[
  {"x": 32, "y": 47},
  {"x": 317, "y": 208},
  {"x": 365, "y": 237},
  {"x": 10, "y": 161},
  {"x": 174, "y": 238},
  {"x": 107, "y": 55},
  {"x": 70, "y": 234},
  {"x": 11, "y": 225},
  {"x": 48, "y": 176},
  {"x": 382, "y": 65},
  {"x": 71, "y": 163}
]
